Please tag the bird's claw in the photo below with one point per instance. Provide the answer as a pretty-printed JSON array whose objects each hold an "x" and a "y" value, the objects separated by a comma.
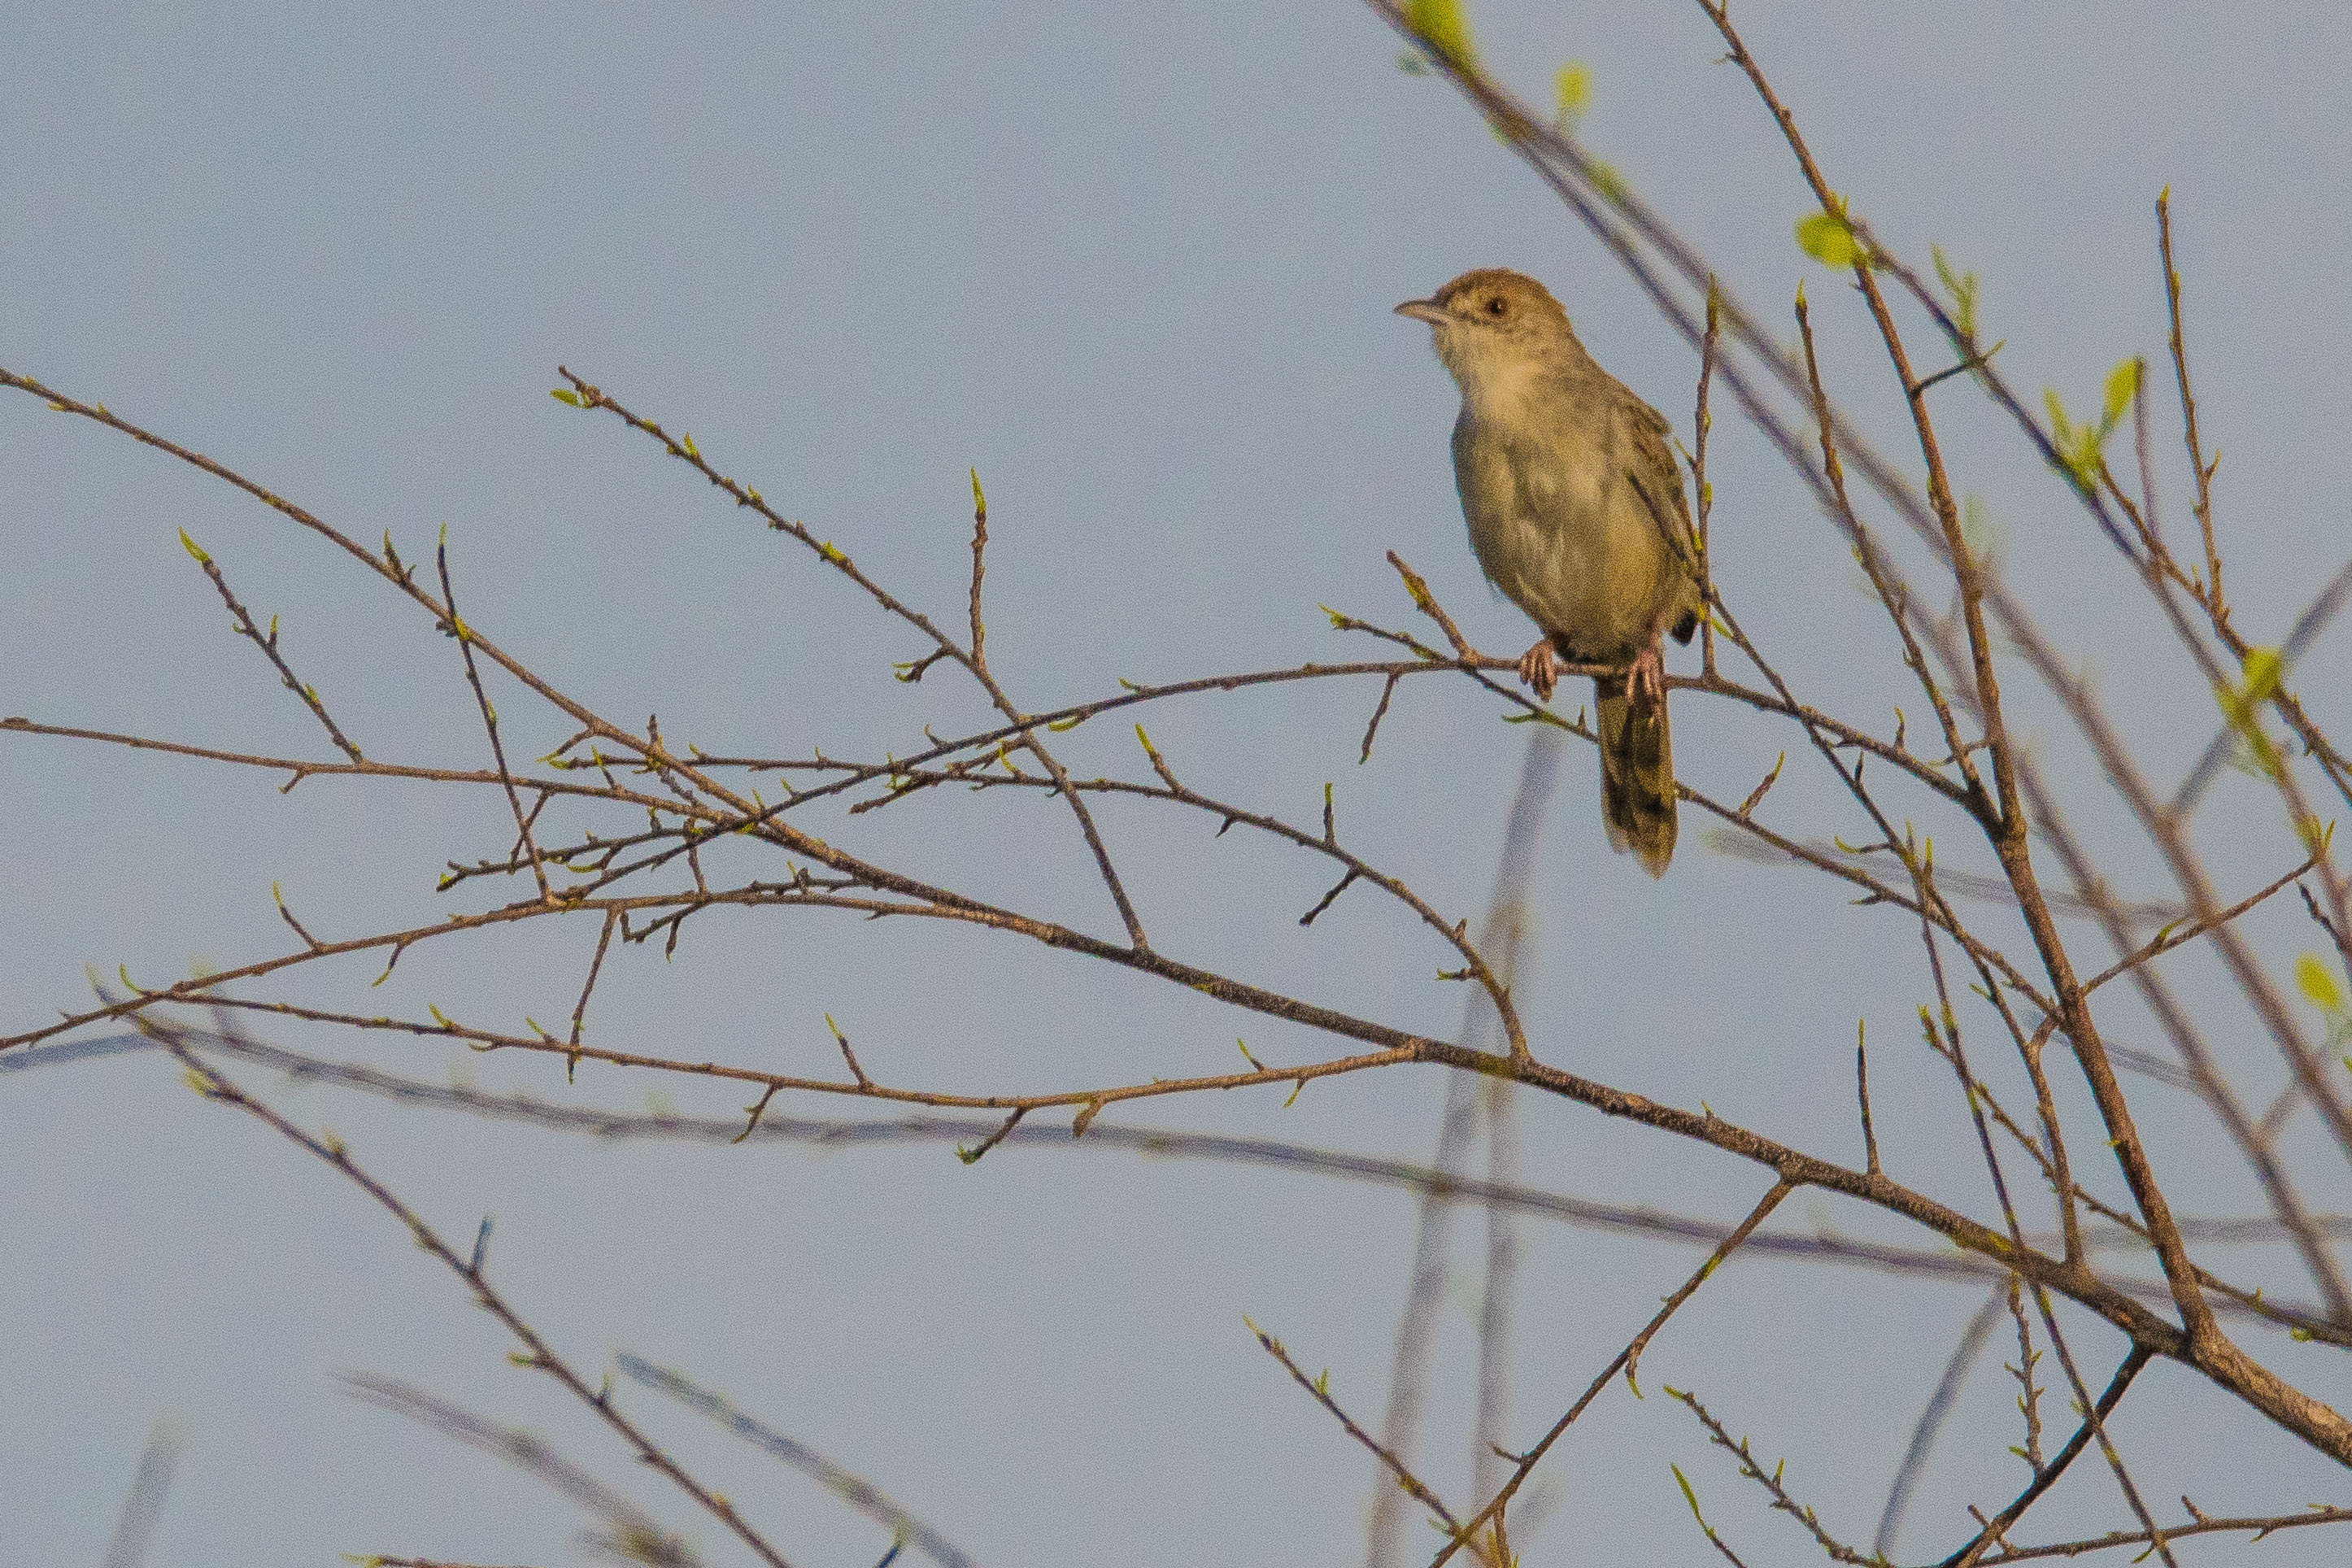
[
  {"x": 1540, "y": 669},
  {"x": 1645, "y": 678}
]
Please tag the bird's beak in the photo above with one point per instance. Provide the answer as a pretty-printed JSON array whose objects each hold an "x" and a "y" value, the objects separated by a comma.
[{"x": 1424, "y": 310}]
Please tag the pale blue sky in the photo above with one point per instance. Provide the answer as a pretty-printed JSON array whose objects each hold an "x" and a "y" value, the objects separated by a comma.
[{"x": 1136, "y": 267}]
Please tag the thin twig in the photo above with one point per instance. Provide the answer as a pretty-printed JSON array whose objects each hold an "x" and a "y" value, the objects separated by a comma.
[
  {"x": 1626, "y": 1361},
  {"x": 1972, "y": 1554},
  {"x": 2259, "y": 1527},
  {"x": 1411, "y": 1484},
  {"x": 1783, "y": 1502},
  {"x": 1862, "y": 1091},
  {"x": 536, "y": 1355},
  {"x": 457, "y": 627},
  {"x": 596, "y": 966},
  {"x": 1702, "y": 423},
  {"x": 978, "y": 569},
  {"x": 2203, "y": 506},
  {"x": 268, "y": 644},
  {"x": 1388, "y": 691}
]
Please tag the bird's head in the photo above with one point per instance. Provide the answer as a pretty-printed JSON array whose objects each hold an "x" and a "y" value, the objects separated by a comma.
[{"x": 1493, "y": 325}]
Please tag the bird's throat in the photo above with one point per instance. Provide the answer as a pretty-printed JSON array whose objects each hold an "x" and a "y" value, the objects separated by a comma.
[{"x": 1494, "y": 387}]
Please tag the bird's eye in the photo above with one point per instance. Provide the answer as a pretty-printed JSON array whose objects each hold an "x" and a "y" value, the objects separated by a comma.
[{"x": 1496, "y": 306}]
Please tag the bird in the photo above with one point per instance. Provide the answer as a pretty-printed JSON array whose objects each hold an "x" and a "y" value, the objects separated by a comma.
[{"x": 1576, "y": 514}]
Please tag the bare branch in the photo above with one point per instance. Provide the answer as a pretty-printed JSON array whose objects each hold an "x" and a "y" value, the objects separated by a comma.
[
  {"x": 1626, "y": 1361},
  {"x": 536, "y": 1355}
]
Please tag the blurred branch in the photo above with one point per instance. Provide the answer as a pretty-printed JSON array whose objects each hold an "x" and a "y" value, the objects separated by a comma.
[
  {"x": 142, "y": 1505},
  {"x": 1447, "y": 1187},
  {"x": 1502, "y": 934},
  {"x": 852, "y": 1489},
  {"x": 1931, "y": 1420},
  {"x": 536, "y": 1354},
  {"x": 634, "y": 1536}
]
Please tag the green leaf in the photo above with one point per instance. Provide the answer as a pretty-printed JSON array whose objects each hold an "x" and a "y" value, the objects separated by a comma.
[
  {"x": 979, "y": 497},
  {"x": 2123, "y": 381},
  {"x": 2241, "y": 707},
  {"x": 1537, "y": 716},
  {"x": 565, "y": 394},
  {"x": 2263, "y": 668},
  {"x": 1829, "y": 239},
  {"x": 2077, "y": 445},
  {"x": 1441, "y": 25},
  {"x": 1072, "y": 723},
  {"x": 1962, "y": 287},
  {"x": 1573, "y": 90},
  {"x": 2317, "y": 983},
  {"x": 191, "y": 546},
  {"x": 688, "y": 442},
  {"x": 1689, "y": 1496}
]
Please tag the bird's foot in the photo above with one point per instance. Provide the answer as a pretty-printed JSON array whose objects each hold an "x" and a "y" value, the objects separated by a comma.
[
  {"x": 1645, "y": 678},
  {"x": 1540, "y": 669}
]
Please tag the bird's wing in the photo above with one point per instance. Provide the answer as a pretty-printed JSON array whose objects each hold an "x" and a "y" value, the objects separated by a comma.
[
  {"x": 1658, "y": 474},
  {"x": 1655, "y": 467}
]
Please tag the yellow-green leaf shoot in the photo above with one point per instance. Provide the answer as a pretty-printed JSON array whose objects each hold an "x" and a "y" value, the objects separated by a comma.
[
  {"x": 1441, "y": 25},
  {"x": 2317, "y": 983},
  {"x": 2123, "y": 381},
  {"x": 1829, "y": 239},
  {"x": 1573, "y": 90}
]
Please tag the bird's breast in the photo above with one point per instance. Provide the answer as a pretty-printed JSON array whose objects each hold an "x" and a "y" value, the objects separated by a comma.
[{"x": 1560, "y": 532}]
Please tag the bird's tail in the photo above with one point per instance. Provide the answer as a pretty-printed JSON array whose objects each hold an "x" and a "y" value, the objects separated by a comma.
[{"x": 1637, "y": 771}]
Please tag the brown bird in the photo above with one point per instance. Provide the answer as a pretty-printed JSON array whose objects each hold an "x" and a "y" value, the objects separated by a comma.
[{"x": 1577, "y": 513}]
